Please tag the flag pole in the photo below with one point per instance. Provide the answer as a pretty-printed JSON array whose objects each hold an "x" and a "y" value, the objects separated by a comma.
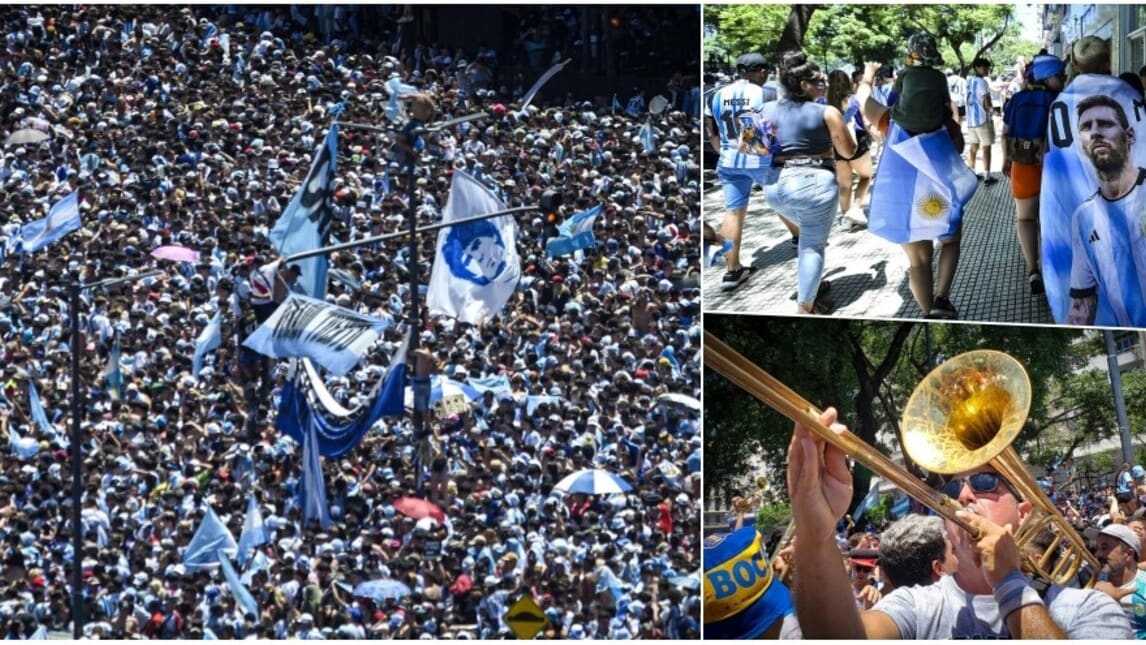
[
  {"x": 75, "y": 287},
  {"x": 400, "y": 234}
]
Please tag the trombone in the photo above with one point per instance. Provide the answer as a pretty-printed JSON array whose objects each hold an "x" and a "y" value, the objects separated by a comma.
[{"x": 963, "y": 415}]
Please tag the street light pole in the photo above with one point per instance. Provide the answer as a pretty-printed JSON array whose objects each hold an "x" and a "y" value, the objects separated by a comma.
[
  {"x": 75, "y": 287},
  {"x": 77, "y": 466}
]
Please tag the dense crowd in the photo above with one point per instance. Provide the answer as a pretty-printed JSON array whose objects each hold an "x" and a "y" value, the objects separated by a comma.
[{"x": 194, "y": 127}]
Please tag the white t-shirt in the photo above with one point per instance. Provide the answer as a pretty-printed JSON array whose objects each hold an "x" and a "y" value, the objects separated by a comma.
[{"x": 943, "y": 610}]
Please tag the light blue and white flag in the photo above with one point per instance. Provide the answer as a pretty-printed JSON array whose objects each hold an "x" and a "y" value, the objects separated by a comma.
[
  {"x": 209, "y": 340},
  {"x": 254, "y": 530},
  {"x": 243, "y": 597},
  {"x": 346, "y": 279},
  {"x": 63, "y": 218},
  {"x": 498, "y": 384},
  {"x": 210, "y": 540},
  {"x": 332, "y": 336},
  {"x": 901, "y": 507},
  {"x": 608, "y": 581},
  {"x": 306, "y": 221},
  {"x": 648, "y": 137},
  {"x": 476, "y": 268},
  {"x": 868, "y": 501},
  {"x": 616, "y": 105},
  {"x": 396, "y": 89},
  {"x": 1093, "y": 242},
  {"x": 920, "y": 189},
  {"x": 22, "y": 447},
  {"x": 312, "y": 490},
  {"x": 549, "y": 73},
  {"x": 37, "y": 409},
  {"x": 394, "y": 386},
  {"x": 260, "y": 562},
  {"x": 574, "y": 234},
  {"x": 113, "y": 373}
]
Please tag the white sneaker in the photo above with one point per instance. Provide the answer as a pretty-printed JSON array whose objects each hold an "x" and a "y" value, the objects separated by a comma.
[{"x": 856, "y": 217}]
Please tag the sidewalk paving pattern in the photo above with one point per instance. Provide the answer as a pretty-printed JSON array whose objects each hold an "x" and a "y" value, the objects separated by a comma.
[{"x": 869, "y": 274}]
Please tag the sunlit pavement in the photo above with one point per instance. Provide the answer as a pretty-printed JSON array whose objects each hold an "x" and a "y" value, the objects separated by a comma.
[{"x": 868, "y": 275}]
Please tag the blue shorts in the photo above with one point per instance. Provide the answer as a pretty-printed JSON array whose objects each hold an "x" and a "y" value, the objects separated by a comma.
[{"x": 737, "y": 184}]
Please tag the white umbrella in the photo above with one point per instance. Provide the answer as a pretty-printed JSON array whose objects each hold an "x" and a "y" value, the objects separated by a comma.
[
  {"x": 593, "y": 482},
  {"x": 26, "y": 136},
  {"x": 683, "y": 400}
]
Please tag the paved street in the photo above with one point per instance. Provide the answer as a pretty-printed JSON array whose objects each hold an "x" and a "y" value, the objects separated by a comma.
[{"x": 869, "y": 275}]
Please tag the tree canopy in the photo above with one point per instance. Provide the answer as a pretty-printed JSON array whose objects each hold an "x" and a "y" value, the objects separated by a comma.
[{"x": 849, "y": 34}]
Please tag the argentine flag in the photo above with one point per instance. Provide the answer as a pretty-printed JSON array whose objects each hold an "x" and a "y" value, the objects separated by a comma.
[
  {"x": 869, "y": 501},
  {"x": 575, "y": 233},
  {"x": 920, "y": 189},
  {"x": 209, "y": 339},
  {"x": 63, "y": 218}
]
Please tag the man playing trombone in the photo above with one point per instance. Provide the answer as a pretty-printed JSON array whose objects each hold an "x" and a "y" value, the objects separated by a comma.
[{"x": 988, "y": 596}]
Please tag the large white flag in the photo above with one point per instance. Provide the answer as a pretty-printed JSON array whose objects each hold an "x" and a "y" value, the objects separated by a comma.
[
  {"x": 332, "y": 336},
  {"x": 477, "y": 267}
]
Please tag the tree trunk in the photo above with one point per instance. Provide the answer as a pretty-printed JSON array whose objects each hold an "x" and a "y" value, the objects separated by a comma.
[
  {"x": 796, "y": 27},
  {"x": 870, "y": 378}
]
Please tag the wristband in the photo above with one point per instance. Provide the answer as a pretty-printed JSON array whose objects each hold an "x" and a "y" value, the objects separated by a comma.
[{"x": 1013, "y": 593}]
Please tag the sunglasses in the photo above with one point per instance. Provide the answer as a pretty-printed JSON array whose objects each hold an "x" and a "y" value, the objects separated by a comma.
[{"x": 979, "y": 483}]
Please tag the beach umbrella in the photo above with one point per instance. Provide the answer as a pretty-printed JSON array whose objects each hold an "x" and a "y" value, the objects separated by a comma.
[
  {"x": 381, "y": 590},
  {"x": 176, "y": 253},
  {"x": 418, "y": 508},
  {"x": 682, "y": 400},
  {"x": 26, "y": 136},
  {"x": 593, "y": 482}
]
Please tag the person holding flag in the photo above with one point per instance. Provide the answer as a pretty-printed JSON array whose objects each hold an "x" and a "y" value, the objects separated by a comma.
[{"x": 922, "y": 150}]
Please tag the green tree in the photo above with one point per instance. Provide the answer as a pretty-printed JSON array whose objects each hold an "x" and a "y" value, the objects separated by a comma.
[
  {"x": 743, "y": 28},
  {"x": 767, "y": 29},
  {"x": 969, "y": 30},
  {"x": 849, "y": 33}
]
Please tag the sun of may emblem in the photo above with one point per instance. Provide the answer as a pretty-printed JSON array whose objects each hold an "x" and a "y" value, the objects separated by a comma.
[{"x": 932, "y": 205}]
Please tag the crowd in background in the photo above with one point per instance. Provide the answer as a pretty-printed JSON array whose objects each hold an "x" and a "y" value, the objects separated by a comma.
[{"x": 194, "y": 126}]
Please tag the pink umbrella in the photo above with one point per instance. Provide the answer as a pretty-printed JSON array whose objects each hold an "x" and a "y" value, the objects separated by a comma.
[
  {"x": 176, "y": 253},
  {"x": 418, "y": 508}
]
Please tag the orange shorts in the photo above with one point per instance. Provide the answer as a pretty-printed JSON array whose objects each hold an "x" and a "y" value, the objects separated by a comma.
[{"x": 1026, "y": 180}]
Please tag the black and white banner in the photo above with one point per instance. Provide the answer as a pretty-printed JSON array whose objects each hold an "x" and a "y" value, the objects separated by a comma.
[{"x": 303, "y": 327}]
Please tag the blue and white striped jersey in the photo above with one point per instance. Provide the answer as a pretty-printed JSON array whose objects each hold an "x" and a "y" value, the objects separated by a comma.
[
  {"x": 723, "y": 107},
  {"x": 1108, "y": 244},
  {"x": 977, "y": 88}
]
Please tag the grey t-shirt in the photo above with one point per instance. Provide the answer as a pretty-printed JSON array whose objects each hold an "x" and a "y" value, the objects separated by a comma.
[{"x": 943, "y": 610}]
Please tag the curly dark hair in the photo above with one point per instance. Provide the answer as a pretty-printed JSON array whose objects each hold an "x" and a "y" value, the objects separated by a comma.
[
  {"x": 795, "y": 68},
  {"x": 839, "y": 89}
]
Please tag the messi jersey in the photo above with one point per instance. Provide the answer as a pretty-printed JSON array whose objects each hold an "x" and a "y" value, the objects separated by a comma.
[
  {"x": 1108, "y": 256},
  {"x": 977, "y": 88},
  {"x": 724, "y": 108}
]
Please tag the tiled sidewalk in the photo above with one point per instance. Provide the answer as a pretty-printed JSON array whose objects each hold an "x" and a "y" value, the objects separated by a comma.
[{"x": 869, "y": 275}]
